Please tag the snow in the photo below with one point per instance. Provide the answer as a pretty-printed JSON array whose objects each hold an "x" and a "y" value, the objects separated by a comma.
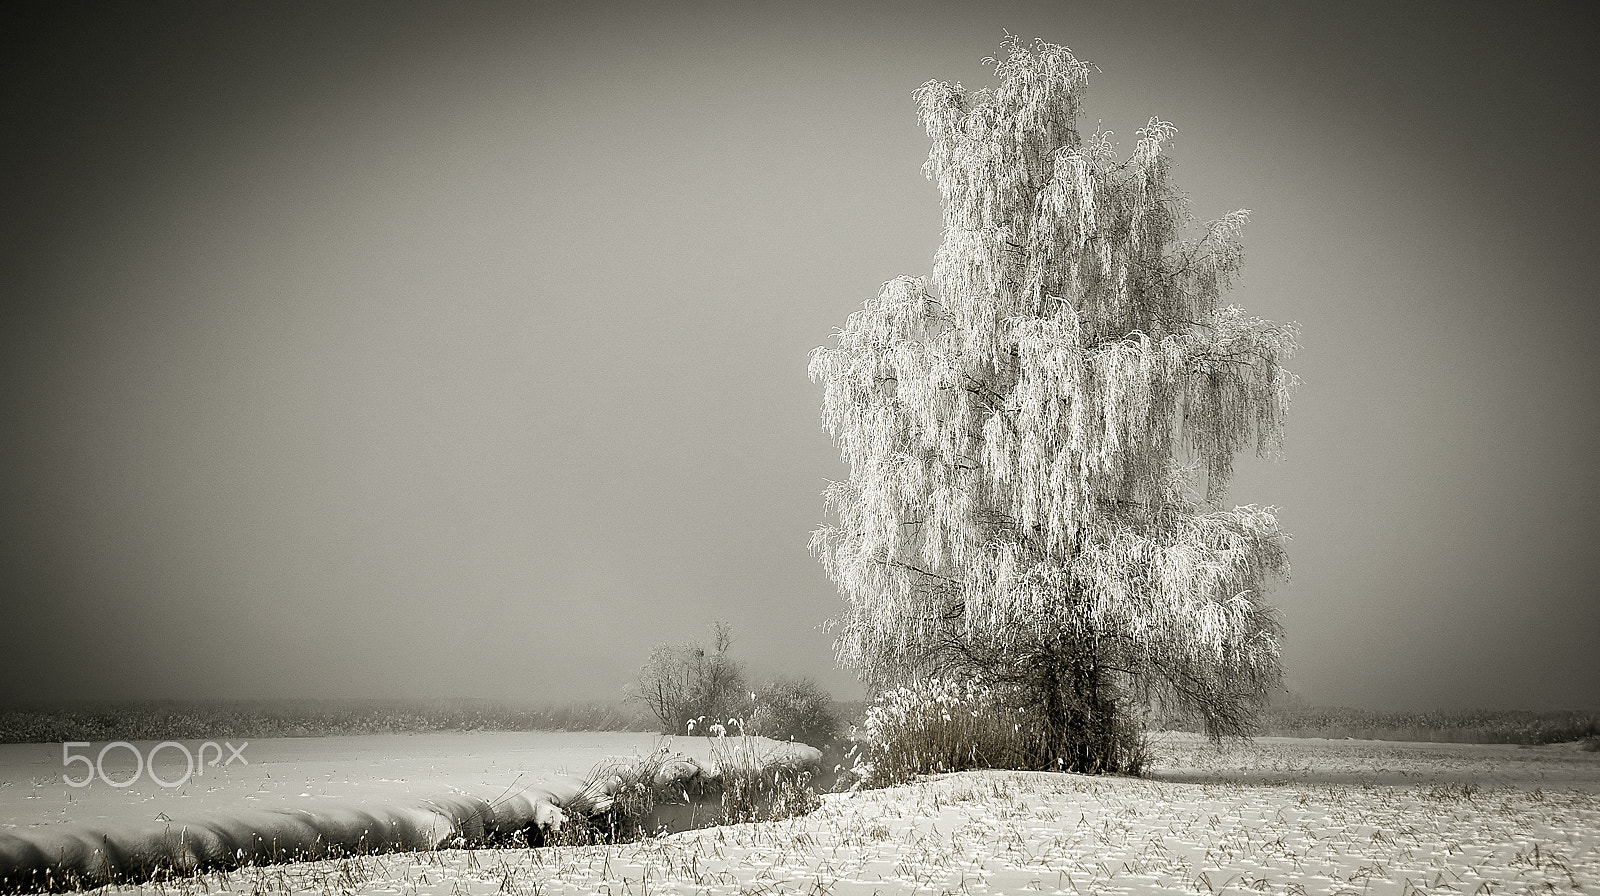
[
  {"x": 1318, "y": 818},
  {"x": 305, "y": 771}
]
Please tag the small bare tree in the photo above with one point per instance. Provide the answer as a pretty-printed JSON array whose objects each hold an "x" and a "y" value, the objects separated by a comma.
[{"x": 683, "y": 682}]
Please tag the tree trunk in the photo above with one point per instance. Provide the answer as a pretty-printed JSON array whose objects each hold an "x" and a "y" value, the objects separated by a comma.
[
  {"x": 1084, "y": 724},
  {"x": 1093, "y": 746},
  {"x": 1056, "y": 721}
]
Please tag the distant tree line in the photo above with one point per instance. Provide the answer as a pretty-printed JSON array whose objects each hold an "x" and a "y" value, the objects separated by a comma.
[
  {"x": 1469, "y": 726},
  {"x": 204, "y": 719}
]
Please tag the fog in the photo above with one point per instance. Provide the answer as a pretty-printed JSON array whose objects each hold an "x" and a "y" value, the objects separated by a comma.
[{"x": 374, "y": 350}]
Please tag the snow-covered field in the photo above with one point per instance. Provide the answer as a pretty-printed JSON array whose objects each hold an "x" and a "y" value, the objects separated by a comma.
[
  {"x": 1279, "y": 816},
  {"x": 302, "y": 772}
]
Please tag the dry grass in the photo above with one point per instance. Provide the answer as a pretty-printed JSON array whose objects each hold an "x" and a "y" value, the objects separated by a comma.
[{"x": 938, "y": 726}]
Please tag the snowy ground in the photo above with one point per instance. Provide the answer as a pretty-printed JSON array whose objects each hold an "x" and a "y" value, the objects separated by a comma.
[
  {"x": 1281, "y": 816},
  {"x": 302, "y": 772}
]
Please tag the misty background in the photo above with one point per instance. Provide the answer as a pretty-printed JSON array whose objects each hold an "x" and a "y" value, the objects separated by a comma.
[{"x": 404, "y": 350}]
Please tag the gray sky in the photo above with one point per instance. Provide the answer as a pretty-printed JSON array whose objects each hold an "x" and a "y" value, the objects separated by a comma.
[{"x": 402, "y": 350}]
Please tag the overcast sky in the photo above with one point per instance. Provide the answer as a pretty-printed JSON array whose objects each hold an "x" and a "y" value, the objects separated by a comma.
[{"x": 459, "y": 350}]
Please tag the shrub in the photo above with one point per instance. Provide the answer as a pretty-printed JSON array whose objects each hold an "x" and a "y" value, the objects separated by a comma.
[
  {"x": 795, "y": 709},
  {"x": 682, "y": 682}
]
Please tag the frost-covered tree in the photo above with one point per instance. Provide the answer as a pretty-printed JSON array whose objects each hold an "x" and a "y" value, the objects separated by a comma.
[
  {"x": 1040, "y": 436},
  {"x": 690, "y": 682}
]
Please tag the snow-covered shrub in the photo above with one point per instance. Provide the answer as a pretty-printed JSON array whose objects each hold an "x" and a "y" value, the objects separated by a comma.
[
  {"x": 681, "y": 682},
  {"x": 795, "y": 709}
]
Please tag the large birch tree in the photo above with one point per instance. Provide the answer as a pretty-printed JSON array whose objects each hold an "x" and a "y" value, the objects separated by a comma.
[{"x": 1040, "y": 436}]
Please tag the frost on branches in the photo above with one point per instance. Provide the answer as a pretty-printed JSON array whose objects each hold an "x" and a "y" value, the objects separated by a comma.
[{"x": 1040, "y": 436}]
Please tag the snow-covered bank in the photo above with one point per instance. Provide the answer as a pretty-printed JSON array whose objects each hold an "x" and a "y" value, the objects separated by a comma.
[
  {"x": 458, "y": 802},
  {"x": 1316, "y": 818},
  {"x": 1024, "y": 832},
  {"x": 1451, "y": 830}
]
